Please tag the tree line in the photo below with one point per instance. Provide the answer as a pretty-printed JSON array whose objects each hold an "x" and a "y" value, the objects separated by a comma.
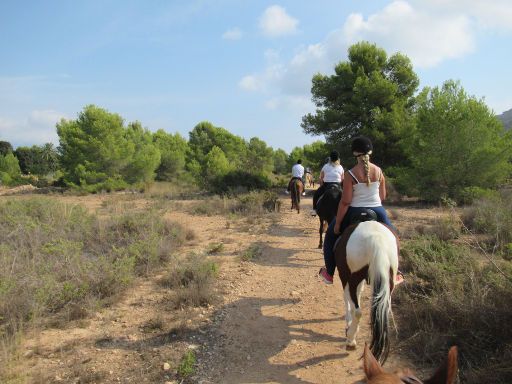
[
  {"x": 435, "y": 143},
  {"x": 99, "y": 151}
]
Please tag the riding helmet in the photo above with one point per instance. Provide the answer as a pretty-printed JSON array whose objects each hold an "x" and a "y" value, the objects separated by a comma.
[
  {"x": 362, "y": 145},
  {"x": 334, "y": 156}
]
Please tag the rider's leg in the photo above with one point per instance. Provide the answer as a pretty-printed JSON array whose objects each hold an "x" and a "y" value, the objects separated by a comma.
[
  {"x": 317, "y": 195},
  {"x": 329, "y": 241}
]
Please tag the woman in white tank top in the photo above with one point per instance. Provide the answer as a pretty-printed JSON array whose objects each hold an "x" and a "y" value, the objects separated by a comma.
[{"x": 364, "y": 186}]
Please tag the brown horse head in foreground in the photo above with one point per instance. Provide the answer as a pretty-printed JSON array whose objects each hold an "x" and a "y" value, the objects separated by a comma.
[{"x": 445, "y": 374}]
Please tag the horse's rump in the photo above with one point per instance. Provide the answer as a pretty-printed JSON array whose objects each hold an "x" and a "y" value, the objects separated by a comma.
[
  {"x": 296, "y": 188},
  {"x": 369, "y": 250},
  {"x": 327, "y": 203}
]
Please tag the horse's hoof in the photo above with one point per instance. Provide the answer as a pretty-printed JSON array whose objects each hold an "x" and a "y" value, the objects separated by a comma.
[{"x": 351, "y": 347}]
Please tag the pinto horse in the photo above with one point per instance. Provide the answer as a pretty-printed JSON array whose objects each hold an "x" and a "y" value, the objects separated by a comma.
[
  {"x": 326, "y": 208},
  {"x": 445, "y": 374},
  {"x": 368, "y": 251},
  {"x": 296, "y": 189}
]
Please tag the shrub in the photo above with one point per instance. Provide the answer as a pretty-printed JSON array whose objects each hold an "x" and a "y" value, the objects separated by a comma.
[
  {"x": 253, "y": 203},
  {"x": 62, "y": 257},
  {"x": 491, "y": 216},
  {"x": 453, "y": 299},
  {"x": 254, "y": 251},
  {"x": 191, "y": 281},
  {"x": 241, "y": 181}
]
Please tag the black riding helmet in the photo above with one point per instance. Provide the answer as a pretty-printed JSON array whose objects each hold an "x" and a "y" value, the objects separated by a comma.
[
  {"x": 362, "y": 145},
  {"x": 334, "y": 156}
]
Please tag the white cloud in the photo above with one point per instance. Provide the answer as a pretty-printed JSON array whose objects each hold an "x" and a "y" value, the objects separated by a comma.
[
  {"x": 250, "y": 83},
  {"x": 232, "y": 34},
  {"x": 427, "y": 38},
  {"x": 489, "y": 14},
  {"x": 35, "y": 129},
  {"x": 428, "y": 32},
  {"x": 276, "y": 22}
]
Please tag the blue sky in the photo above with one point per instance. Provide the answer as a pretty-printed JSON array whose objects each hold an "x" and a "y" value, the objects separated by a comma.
[{"x": 243, "y": 65}]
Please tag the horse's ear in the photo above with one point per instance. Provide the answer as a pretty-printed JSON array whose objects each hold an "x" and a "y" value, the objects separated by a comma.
[
  {"x": 370, "y": 364},
  {"x": 447, "y": 372}
]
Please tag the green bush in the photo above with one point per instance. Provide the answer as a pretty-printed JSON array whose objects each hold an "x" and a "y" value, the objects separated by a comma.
[
  {"x": 240, "y": 180},
  {"x": 9, "y": 169}
]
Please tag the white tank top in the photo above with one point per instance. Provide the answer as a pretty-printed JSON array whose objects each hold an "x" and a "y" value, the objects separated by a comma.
[
  {"x": 365, "y": 195},
  {"x": 332, "y": 173}
]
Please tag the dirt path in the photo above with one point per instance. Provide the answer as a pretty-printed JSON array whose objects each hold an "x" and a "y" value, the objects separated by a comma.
[{"x": 277, "y": 323}]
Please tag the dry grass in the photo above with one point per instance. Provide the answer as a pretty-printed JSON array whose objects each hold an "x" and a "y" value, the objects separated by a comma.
[
  {"x": 452, "y": 297},
  {"x": 191, "y": 282},
  {"x": 60, "y": 261},
  {"x": 249, "y": 204}
]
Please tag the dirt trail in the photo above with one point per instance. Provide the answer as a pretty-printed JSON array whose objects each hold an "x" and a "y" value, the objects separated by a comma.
[{"x": 277, "y": 323}]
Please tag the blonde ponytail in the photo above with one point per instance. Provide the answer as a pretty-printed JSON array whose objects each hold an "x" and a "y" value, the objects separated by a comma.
[{"x": 366, "y": 164}]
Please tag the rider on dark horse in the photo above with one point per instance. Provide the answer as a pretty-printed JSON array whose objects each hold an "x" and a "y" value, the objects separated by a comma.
[
  {"x": 364, "y": 188},
  {"x": 331, "y": 175},
  {"x": 297, "y": 174}
]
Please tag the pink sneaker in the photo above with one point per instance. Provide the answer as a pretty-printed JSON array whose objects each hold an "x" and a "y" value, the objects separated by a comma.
[
  {"x": 325, "y": 275},
  {"x": 399, "y": 279}
]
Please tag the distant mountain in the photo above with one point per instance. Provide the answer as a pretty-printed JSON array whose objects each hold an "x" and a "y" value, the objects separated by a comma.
[{"x": 506, "y": 119}]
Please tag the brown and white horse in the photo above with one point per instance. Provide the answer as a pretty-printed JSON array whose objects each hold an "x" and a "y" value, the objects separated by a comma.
[
  {"x": 445, "y": 374},
  {"x": 296, "y": 189},
  {"x": 368, "y": 251}
]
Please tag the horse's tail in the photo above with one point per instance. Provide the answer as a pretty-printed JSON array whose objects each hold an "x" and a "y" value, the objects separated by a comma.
[{"x": 379, "y": 274}]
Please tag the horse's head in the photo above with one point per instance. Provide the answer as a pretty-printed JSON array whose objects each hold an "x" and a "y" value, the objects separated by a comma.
[{"x": 445, "y": 374}]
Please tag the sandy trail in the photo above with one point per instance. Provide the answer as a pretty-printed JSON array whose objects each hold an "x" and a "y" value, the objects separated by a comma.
[{"x": 276, "y": 321}]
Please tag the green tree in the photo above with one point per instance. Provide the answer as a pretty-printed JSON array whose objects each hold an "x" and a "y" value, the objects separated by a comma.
[
  {"x": 369, "y": 94},
  {"x": 97, "y": 149},
  {"x": 258, "y": 157},
  {"x": 216, "y": 165},
  {"x": 174, "y": 149},
  {"x": 205, "y": 136},
  {"x": 458, "y": 144},
  {"x": 38, "y": 160},
  {"x": 5, "y": 148},
  {"x": 280, "y": 158},
  {"x": 49, "y": 157},
  {"x": 146, "y": 155},
  {"x": 315, "y": 154},
  {"x": 9, "y": 169}
]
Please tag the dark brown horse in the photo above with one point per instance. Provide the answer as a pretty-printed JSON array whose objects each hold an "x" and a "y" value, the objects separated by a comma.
[
  {"x": 326, "y": 208},
  {"x": 445, "y": 374},
  {"x": 296, "y": 189}
]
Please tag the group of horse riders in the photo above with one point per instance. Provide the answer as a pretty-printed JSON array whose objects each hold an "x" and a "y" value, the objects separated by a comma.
[
  {"x": 362, "y": 244},
  {"x": 360, "y": 192}
]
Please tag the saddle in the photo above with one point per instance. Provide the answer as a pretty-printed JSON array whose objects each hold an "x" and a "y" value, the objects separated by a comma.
[{"x": 366, "y": 215}]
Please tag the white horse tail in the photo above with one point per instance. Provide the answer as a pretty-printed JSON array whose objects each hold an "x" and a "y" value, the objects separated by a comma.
[{"x": 380, "y": 273}]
